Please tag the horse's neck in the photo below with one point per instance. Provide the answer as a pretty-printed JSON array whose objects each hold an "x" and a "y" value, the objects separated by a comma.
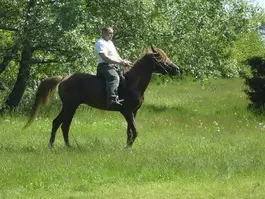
[{"x": 140, "y": 75}]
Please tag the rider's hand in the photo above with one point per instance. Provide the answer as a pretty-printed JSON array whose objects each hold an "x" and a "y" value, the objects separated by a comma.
[{"x": 126, "y": 62}]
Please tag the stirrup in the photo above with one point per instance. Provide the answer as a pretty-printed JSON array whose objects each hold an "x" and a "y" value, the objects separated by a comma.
[
  {"x": 116, "y": 102},
  {"x": 117, "y": 99},
  {"x": 120, "y": 100}
]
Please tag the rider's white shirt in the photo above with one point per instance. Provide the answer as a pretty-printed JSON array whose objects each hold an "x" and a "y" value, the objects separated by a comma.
[{"x": 106, "y": 47}]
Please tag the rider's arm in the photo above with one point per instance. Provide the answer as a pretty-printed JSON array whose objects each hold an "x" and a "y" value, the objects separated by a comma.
[{"x": 110, "y": 60}]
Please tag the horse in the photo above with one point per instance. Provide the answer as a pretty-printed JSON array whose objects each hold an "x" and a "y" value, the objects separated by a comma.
[{"x": 90, "y": 89}]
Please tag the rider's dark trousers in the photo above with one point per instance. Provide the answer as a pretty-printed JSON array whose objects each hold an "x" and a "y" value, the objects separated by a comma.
[{"x": 109, "y": 72}]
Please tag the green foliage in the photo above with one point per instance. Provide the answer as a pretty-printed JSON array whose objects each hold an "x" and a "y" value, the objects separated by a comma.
[
  {"x": 206, "y": 38},
  {"x": 204, "y": 32},
  {"x": 256, "y": 84},
  {"x": 6, "y": 41},
  {"x": 249, "y": 45}
]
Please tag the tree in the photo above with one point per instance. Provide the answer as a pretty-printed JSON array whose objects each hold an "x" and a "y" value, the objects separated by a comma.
[
  {"x": 202, "y": 34},
  {"x": 256, "y": 84},
  {"x": 45, "y": 32},
  {"x": 47, "y": 37}
]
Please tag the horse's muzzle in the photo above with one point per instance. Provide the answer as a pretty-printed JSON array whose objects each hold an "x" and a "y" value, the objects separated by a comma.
[{"x": 175, "y": 70}]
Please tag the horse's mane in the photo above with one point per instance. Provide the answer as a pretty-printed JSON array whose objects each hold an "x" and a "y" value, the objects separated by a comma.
[
  {"x": 133, "y": 72},
  {"x": 162, "y": 55},
  {"x": 161, "y": 58}
]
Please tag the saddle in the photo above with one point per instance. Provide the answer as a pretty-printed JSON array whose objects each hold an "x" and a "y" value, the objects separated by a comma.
[
  {"x": 122, "y": 83},
  {"x": 121, "y": 87}
]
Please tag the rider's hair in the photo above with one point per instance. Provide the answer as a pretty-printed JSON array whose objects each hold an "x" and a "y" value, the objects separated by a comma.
[{"x": 107, "y": 28}]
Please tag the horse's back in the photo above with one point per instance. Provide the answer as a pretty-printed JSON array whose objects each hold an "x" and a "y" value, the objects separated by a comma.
[
  {"x": 83, "y": 88},
  {"x": 83, "y": 80}
]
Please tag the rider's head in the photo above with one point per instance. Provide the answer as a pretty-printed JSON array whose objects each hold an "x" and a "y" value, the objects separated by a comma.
[{"x": 107, "y": 33}]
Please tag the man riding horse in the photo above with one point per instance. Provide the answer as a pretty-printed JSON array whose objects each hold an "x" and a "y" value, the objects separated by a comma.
[
  {"x": 108, "y": 61},
  {"x": 82, "y": 88}
]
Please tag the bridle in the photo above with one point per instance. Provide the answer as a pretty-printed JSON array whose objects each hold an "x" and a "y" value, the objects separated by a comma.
[{"x": 156, "y": 61}]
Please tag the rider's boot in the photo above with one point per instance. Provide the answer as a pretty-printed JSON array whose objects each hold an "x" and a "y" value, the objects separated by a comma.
[{"x": 115, "y": 102}]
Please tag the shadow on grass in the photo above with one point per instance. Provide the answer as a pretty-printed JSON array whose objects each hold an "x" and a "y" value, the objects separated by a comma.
[
  {"x": 19, "y": 149},
  {"x": 77, "y": 146},
  {"x": 163, "y": 108}
]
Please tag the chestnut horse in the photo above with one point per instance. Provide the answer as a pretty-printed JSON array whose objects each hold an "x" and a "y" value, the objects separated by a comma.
[{"x": 89, "y": 89}]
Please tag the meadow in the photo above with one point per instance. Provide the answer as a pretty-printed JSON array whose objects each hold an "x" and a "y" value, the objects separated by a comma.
[{"x": 194, "y": 142}]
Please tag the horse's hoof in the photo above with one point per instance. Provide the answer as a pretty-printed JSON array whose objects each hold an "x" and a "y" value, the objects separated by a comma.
[
  {"x": 68, "y": 145},
  {"x": 50, "y": 145}
]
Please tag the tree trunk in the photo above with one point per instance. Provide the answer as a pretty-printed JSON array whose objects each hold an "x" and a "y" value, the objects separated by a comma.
[
  {"x": 22, "y": 80},
  {"x": 9, "y": 56},
  {"x": 24, "y": 66}
]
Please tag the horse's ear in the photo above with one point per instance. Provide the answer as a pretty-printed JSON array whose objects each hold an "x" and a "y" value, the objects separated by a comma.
[{"x": 153, "y": 49}]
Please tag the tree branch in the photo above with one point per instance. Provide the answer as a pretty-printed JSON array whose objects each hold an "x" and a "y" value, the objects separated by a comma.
[
  {"x": 8, "y": 29},
  {"x": 50, "y": 48},
  {"x": 2, "y": 87},
  {"x": 8, "y": 57},
  {"x": 41, "y": 61}
]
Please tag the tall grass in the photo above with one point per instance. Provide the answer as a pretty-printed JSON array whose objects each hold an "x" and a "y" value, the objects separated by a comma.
[{"x": 194, "y": 142}]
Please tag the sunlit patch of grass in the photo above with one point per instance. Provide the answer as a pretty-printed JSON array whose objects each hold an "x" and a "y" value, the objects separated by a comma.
[{"x": 194, "y": 142}]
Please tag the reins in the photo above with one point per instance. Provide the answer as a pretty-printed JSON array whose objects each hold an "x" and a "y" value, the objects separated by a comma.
[{"x": 159, "y": 62}]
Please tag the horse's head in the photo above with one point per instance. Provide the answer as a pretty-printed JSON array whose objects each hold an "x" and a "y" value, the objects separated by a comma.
[{"x": 162, "y": 64}]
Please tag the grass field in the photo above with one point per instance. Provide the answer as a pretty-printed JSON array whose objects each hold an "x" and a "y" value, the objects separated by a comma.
[{"x": 194, "y": 142}]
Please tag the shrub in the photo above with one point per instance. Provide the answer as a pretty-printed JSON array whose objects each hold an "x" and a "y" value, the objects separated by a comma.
[{"x": 256, "y": 83}]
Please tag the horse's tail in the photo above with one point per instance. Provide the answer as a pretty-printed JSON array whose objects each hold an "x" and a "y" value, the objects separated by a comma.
[{"x": 45, "y": 90}]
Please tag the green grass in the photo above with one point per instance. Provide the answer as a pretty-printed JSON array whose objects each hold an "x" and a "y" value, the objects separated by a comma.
[{"x": 194, "y": 142}]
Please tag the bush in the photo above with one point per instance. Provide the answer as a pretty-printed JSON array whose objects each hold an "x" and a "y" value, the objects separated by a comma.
[{"x": 256, "y": 83}]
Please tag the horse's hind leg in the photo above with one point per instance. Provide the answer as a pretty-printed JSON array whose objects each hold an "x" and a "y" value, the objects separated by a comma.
[
  {"x": 68, "y": 116},
  {"x": 55, "y": 125}
]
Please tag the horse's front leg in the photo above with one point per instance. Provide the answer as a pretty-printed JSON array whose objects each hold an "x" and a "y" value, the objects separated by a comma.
[
  {"x": 130, "y": 139},
  {"x": 131, "y": 129}
]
